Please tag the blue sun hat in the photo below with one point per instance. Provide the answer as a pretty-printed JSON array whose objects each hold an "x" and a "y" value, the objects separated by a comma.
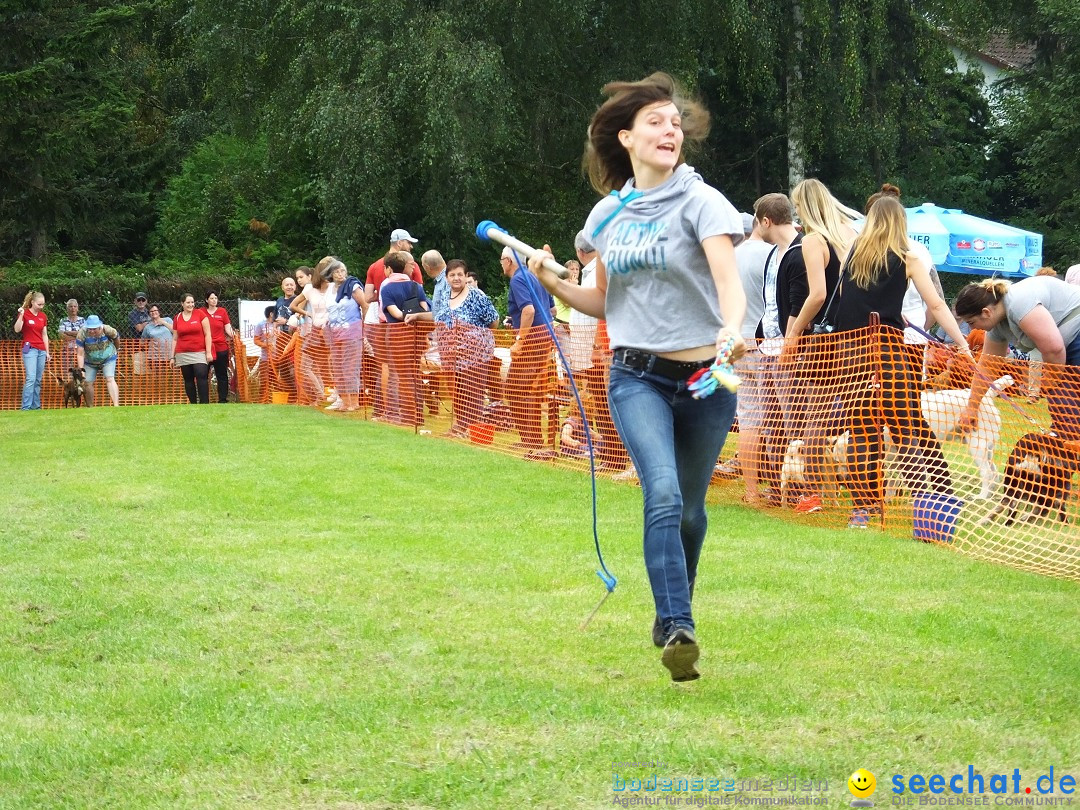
[{"x": 93, "y": 322}]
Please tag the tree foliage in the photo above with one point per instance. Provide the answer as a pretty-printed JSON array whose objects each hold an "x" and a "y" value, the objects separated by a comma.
[
  {"x": 231, "y": 205},
  {"x": 74, "y": 154},
  {"x": 1038, "y": 155}
]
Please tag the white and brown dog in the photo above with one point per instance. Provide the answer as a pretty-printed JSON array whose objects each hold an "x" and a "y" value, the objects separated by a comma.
[
  {"x": 832, "y": 465},
  {"x": 942, "y": 410}
]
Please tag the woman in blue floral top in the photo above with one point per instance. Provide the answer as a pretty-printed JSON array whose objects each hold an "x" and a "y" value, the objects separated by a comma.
[
  {"x": 345, "y": 317},
  {"x": 466, "y": 345}
]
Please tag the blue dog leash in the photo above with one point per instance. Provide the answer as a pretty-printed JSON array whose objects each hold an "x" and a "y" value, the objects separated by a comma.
[{"x": 538, "y": 292}]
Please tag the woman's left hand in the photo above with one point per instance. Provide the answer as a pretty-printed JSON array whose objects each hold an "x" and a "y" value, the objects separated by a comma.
[{"x": 738, "y": 347}]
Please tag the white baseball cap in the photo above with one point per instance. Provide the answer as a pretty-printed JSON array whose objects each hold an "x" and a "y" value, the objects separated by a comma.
[{"x": 400, "y": 233}]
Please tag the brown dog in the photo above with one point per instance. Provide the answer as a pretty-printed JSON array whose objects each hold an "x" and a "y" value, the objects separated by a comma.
[
  {"x": 1039, "y": 473},
  {"x": 75, "y": 388}
]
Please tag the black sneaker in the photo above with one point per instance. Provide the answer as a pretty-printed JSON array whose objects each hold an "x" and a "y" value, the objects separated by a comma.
[
  {"x": 659, "y": 637},
  {"x": 680, "y": 654}
]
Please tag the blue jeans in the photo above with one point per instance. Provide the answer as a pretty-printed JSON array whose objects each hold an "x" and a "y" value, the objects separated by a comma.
[
  {"x": 674, "y": 441},
  {"x": 34, "y": 363},
  {"x": 1063, "y": 399}
]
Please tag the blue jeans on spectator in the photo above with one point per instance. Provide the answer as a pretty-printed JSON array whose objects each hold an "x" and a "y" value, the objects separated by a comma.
[
  {"x": 674, "y": 441},
  {"x": 34, "y": 363},
  {"x": 1063, "y": 399}
]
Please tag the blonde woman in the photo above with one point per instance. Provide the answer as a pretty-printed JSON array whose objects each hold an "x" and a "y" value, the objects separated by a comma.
[
  {"x": 807, "y": 275},
  {"x": 875, "y": 279},
  {"x": 827, "y": 233},
  {"x": 1041, "y": 313},
  {"x": 346, "y": 309},
  {"x": 31, "y": 324}
]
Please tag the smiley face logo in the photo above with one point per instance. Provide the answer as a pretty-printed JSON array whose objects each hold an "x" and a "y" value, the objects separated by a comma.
[{"x": 862, "y": 784}]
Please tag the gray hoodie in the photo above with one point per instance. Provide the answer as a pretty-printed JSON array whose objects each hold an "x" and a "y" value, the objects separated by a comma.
[{"x": 660, "y": 292}]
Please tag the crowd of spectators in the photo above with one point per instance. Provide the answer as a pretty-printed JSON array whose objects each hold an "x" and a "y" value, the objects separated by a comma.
[{"x": 333, "y": 340}]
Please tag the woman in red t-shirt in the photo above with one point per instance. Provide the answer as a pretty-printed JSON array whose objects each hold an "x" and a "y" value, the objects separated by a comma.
[
  {"x": 193, "y": 349},
  {"x": 221, "y": 333},
  {"x": 31, "y": 323}
]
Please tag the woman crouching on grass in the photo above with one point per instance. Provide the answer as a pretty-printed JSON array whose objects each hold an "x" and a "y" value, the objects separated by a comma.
[
  {"x": 666, "y": 283},
  {"x": 1041, "y": 313}
]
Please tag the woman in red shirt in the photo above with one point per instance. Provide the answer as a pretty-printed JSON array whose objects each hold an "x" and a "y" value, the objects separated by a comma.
[
  {"x": 31, "y": 324},
  {"x": 193, "y": 349},
  {"x": 221, "y": 333}
]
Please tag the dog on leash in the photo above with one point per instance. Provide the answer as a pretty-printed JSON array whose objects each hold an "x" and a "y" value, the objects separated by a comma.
[
  {"x": 831, "y": 463},
  {"x": 942, "y": 410},
  {"x": 75, "y": 388},
  {"x": 1038, "y": 472}
]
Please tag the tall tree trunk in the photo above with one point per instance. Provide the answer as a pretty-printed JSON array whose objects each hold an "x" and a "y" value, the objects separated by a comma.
[
  {"x": 38, "y": 234},
  {"x": 796, "y": 164},
  {"x": 875, "y": 116}
]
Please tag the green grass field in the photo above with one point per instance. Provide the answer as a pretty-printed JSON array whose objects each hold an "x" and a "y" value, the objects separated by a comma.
[{"x": 271, "y": 607}]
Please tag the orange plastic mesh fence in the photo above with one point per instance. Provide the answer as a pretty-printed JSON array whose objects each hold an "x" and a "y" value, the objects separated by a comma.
[{"x": 834, "y": 429}]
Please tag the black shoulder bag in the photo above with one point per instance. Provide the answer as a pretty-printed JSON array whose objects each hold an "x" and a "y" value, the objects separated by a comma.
[
  {"x": 411, "y": 306},
  {"x": 825, "y": 326}
]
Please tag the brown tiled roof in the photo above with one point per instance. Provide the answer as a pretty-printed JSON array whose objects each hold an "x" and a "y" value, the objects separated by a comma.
[{"x": 1005, "y": 53}]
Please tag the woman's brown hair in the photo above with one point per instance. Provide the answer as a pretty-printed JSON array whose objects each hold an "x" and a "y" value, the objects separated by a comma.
[
  {"x": 606, "y": 161},
  {"x": 887, "y": 190},
  {"x": 885, "y": 232},
  {"x": 324, "y": 270},
  {"x": 977, "y": 296}
]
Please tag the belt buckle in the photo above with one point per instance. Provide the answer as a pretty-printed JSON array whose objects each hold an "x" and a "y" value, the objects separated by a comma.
[{"x": 635, "y": 359}]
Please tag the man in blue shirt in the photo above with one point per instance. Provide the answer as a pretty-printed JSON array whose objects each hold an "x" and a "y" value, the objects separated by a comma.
[
  {"x": 530, "y": 307},
  {"x": 435, "y": 268}
]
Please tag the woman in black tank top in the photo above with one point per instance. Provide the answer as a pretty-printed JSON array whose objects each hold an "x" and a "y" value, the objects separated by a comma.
[{"x": 874, "y": 280}]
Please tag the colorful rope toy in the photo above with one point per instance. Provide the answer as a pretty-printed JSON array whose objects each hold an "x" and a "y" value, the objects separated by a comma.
[{"x": 706, "y": 380}]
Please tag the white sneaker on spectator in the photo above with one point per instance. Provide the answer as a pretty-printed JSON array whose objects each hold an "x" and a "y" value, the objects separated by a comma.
[
  {"x": 337, "y": 405},
  {"x": 629, "y": 474}
]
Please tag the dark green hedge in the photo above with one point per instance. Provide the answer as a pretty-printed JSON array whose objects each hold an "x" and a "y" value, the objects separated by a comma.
[{"x": 108, "y": 290}]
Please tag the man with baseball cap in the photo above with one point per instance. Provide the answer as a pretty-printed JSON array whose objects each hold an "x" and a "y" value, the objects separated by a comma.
[
  {"x": 139, "y": 316},
  {"x": 400, "y": 239}
]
